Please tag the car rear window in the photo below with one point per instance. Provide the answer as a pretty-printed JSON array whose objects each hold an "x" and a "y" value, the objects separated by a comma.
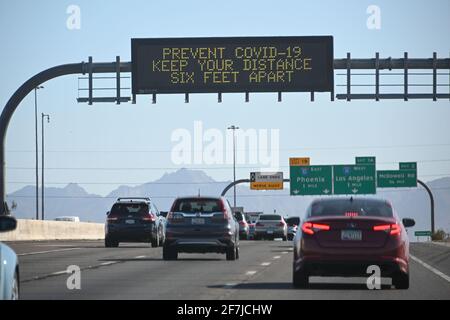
[
  {"x": 125, "y": 209},
  {"x": 269, "y": 217},
  {"x": 293, "y": 221},
  {"x": 239, "y": 216},
  {"x": 356, "y": 207},
  {"x": 197, "y": 205}
]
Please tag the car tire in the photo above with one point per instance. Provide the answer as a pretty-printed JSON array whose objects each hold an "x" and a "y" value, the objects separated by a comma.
[
  {"x": 284, "y": 238},
  {"x": 401, "y": 280},
  {"x": 15, "y": 288},
  {"x": 237, "y": 253},
  {"x": 111, "y": 243},
  {"x": 231, "y": 253},
  {"x": 300, "y": 279},
  {"x": 169, "y": 254},
  {"x": 155, "y": 242}
]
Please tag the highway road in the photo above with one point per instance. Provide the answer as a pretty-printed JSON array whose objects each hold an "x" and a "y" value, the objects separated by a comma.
[{"x": 137, "y": 271}]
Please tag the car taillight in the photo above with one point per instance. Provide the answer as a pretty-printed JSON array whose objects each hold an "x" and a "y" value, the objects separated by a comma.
[
  {"x": 224, "y": 211},
  {"x": 281, "y": 224},
  {"x": 392, "y": 229},
  {"x": 242, "y": 223},
  {"x": 150, "y": 217},
  {"x": 311, "y": 228},
  {"x": 112, "y": 219}
]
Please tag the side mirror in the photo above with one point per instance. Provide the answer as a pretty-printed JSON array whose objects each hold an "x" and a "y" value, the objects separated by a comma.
[
  {"x": 7, "y": 223},
  {"x": 107, "y": 212},
  {"x": 408, "y": 223}
]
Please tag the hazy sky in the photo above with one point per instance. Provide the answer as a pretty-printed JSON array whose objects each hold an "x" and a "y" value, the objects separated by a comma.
[{"x": 83, "y": 141}]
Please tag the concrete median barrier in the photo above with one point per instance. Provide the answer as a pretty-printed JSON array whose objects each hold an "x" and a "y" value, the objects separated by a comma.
[{"x": 54, "y": 230}]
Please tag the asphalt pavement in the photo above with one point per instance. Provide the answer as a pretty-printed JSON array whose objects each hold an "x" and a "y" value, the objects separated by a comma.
[{"x": 264, "y": 271}]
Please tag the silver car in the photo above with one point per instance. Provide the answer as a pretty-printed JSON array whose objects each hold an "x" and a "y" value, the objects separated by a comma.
[
  {"x": 9, "y": 264},
  {"x": 270, "y": 226}
]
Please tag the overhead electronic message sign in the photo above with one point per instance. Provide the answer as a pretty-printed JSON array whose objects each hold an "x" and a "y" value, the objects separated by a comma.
[{"x": 244, "y": 64}]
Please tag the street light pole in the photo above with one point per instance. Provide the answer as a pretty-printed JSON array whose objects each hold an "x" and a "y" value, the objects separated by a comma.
[
  {"x": 42, "y": 164},
  {"x": 37, "y": 150},
  {"x": 234, "y": 128}
]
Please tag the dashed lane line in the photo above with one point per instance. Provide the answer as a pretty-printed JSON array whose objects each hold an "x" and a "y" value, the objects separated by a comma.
[{"x": 48, "y": 251}]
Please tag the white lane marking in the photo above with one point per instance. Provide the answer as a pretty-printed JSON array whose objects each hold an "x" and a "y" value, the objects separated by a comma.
[
  {"x": 277, "y": 257},
  {"x": 58, "y": 273},
  {"x": 250, "y": 273},
  {"x": 54, "y": 245},
  {"x": 139, "y": 257},
  {"x": 230, "y": 285},
  {"x": 107, "y": 263},
  {"x": 49, "y": 251},
  {"x": 434, "y": 270},
  {"x": 265, "y": 264},
  {"x": 284, "y": 252}
]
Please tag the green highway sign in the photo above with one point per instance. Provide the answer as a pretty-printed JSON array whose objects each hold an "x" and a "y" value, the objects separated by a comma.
[
  {"x": 422, "y": 233},
  {"x": 365, "y": 160},
  {"x": 408, "y": 165},
  {"x": 354, "y": 179},
  {"x": 396, "y": 178},
  {"x": 311, "y": 180}
]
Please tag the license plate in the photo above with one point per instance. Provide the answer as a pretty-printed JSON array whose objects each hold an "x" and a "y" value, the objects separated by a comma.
[
  {"x": 129, "y": 221},
  {"x": 351, "y": 235},
  {"x": 269, "y": 231},
  {"x": 198, "y": 221}
]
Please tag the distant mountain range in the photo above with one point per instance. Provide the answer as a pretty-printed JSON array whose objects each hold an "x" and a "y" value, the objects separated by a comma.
[{"x": 74, "y": 200}]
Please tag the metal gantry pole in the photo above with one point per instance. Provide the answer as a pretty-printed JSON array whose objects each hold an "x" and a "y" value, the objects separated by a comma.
[
  {"x": 26, "y": 88},
  {"x": 234, "y": 128},
  {"x": 36, "y": 148},
  {"x": 423, "y": 184},
  {"x": 42, "y": 164}
]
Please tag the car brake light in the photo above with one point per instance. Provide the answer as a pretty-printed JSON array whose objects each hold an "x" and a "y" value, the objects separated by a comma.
[
  {"x": 352, "y": 214},
  {"x": 393, "y": 229},
  {"x": 281, "y": 224},
  {"x": 311, "y": 228},
  {"x": 112, "y": 219},
  {"x": 225, "y": 211},
  {"x": 150, "y": 217}
]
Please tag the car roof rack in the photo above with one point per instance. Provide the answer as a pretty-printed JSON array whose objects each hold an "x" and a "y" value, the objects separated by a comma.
[{"x": 134, "y": 198}]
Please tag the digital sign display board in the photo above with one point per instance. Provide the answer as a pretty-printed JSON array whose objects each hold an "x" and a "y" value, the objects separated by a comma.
[{"x": 244, "y": 64}]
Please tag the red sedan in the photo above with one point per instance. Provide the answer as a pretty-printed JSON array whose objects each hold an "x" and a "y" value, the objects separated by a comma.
[{"x": 343, "y": 236}]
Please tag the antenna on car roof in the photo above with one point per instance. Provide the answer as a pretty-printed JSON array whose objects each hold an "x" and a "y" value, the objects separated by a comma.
[{"x": 351, "y": 199}]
